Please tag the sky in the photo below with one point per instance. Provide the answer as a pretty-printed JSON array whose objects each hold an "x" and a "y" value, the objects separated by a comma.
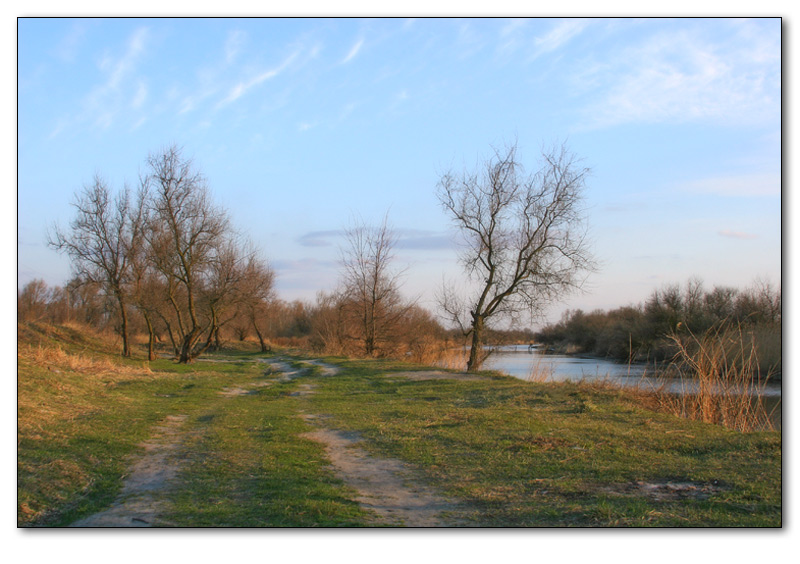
[{"x": 302, "y": 126}]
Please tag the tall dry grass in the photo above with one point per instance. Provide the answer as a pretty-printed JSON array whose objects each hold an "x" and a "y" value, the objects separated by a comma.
[
  {"x": 450, "y": 358},
  {"x": 55, "y": 358},
  {"x": 721, "y": 377},
  {"x": 541, "y": 372}
]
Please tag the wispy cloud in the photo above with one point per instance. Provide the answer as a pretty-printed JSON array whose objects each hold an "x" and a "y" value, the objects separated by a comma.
[
  {"x": 107, "y": 100},
  {"x": 511, "y": 36},
  {"x": 407, "y": 239},
  {"x": 686, "y": 75},
  {"x": 68, "y": 47},
  {"x": 737, "y": 234},
  {"x": 306, "y": 125},
  {"x": 233, "y": 45},
  {"x": 140, "y": 97},
  {"x": 320, "y": 238},
  {"x": 560, "y": 35},
  {"x": 354, "y": 50},
  {"x": 416, "y": 239},
  {"x": 242, "y": 87},
  {"x": 517, "y": 37}
]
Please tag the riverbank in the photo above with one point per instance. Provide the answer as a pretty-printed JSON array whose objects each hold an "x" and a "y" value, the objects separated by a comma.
[{"x": 254, "y": 443}]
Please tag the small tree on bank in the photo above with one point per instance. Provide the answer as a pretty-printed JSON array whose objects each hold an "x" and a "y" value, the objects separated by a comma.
[
  {"x": 99, "y": 243},
  {"x": 525, "y": 241}
]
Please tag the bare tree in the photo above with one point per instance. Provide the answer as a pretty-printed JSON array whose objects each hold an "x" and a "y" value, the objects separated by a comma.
[
  {"x": 370, "y": 285},
  {"x": 32, "y": 300},
  {"x": 256, "y": 294},
  {"x": 99, "y": 242},
  {"x": 186, "y": 233},
  {"x": 525, "y": 239}
]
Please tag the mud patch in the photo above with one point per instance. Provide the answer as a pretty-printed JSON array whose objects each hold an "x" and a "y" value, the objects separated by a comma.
[
  {"x": 666, "y": 491},
  {"x": 384, "y": 485},
  {"x": 139, "y": 503},
  {"x": 327, "y": 369},
  {"x": 436, "y": 375},
  {"x": 284, "y": 370},
  {"x": 303, "y": 391},
  {"x": 232, "y": 392}
]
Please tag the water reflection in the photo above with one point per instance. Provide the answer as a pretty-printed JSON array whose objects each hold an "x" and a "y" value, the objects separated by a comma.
[{"x": 522, "y": 361}]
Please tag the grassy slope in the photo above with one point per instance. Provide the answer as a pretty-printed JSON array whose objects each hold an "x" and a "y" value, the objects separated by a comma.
[
  {"x": 82, "y": 418},
  {"x": 518, "y": 454}
]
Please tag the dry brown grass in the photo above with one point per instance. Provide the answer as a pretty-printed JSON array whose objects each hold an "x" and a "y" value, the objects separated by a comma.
[
  {"x": 55, "y": 385},
  {"x": 55, "y": 358},
  {"x": 721, "y": 378},
  {"x": 450, "y": 358},
  {"x": 540, "y": 372}
]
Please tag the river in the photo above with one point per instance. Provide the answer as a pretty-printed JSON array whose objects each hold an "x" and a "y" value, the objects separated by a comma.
[{"x": 521, "y": 362}]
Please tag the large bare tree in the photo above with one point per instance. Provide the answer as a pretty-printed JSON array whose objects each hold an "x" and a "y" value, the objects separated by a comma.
[
  {"x": 524, "y": 239},
  {"x": 186, "y": 234},
  {"x": 98, "y": 243}
]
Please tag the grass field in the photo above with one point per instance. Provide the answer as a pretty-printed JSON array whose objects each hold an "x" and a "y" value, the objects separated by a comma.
[{"x": 511, "y": 453}]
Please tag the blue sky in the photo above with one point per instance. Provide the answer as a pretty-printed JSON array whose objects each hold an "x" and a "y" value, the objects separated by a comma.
[{"x": 300, "y": 125}]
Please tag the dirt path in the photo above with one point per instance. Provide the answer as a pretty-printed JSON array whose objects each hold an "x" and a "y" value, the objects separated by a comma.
[
  {"x": 139, "y": 503},
  {"x": 384, "y": 485}
]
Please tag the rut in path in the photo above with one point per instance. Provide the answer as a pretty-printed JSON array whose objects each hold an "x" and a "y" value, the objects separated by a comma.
[
  {"x": 384, "y": 485},
  {"x": 139, "y": 503}
]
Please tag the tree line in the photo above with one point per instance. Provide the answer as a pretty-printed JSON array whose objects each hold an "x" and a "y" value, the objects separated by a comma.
[
  {"x": 646, "y": 331},
  {"x": 165, "y": 257}
]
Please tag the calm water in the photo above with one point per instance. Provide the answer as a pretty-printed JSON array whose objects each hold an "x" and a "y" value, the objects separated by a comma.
[{"x": 520, "y": 362}]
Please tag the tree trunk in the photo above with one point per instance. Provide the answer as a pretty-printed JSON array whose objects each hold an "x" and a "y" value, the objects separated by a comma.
[
  {"x": 265, "y": 347},
  {"x": 151, "y": 338},
  {"x": 476, "y": 355},
  {"x": 187, "y": 353},
  {"x": 217, "y": 340},
  {"x": 126, "y": 351}
]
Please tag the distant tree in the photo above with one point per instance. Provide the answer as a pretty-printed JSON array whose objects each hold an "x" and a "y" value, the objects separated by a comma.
[
  {"x": 525, "y": 239},
  {"x": 99, "y": 242},
  {"x": 256, "y": 293},
  {"x": 371, "y": 287},
  {"x": 32, "y": 300}
]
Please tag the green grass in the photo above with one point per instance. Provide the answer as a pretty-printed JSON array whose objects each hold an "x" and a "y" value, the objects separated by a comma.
[
  {"x": 524, "y": 454},
  {"x": 514, "y": 453}
]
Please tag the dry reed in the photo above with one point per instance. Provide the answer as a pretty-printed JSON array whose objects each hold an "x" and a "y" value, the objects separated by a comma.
[
  {"x": 720, "y": 380},
  {"x": 452, "y": 358},
  {"x": 540, "y": 372}
]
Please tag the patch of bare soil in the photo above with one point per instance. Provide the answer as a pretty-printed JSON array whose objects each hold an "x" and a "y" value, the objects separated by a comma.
[
  {"x": 303, "y": 390},
  {"x": 666, "y": 491},
  {"x": 327, "y": 369},
  {"x": 436, "y": 375},
  {"x": 384, "y": 485},
  {"x": 285, "y": 370},
  {"x": 139, "y": 503}
]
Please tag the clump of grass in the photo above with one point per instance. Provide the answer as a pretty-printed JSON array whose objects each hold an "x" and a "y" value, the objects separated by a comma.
[
  {"x": 540, "y": 372},
  {"x": 452, "y": 358},
  {"x": 721, "y": 378},
  {"x": 55, "y": 359}
]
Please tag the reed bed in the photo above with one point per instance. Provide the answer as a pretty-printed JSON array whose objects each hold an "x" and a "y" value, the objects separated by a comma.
[
  {"x": 451, "y": 358},
  {"x": 720, "y": 377}
]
